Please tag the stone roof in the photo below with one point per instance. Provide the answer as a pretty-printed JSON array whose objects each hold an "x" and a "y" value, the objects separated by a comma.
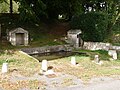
[
  {"x": 76, "y": 31},
  {"x": 18, "y": 30}
]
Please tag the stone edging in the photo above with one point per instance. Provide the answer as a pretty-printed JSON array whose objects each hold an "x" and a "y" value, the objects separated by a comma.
[
  {"x": 28, "y": 55},
  {"x": 46, "y": 49}
]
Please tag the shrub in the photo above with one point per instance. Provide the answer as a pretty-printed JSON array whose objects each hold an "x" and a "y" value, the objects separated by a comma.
[{"x": 92, "y": 24}]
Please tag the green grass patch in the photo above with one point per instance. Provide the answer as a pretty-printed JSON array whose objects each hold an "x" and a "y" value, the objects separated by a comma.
[
  {"x": 86, "y": 69},
  {"x": 6, "y": 61},
  {"x": 103, "y": 55}
]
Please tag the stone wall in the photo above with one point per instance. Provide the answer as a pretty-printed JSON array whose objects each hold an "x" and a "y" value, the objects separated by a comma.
[
  {"x": 57, "y": 48},
  {"x": 116, "y": 48},
  {"x": 46, "y": 49},
  {"x": 99, "y": 46}
]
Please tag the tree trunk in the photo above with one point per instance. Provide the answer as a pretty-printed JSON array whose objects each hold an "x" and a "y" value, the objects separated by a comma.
[
  {"x": 11, "y": 7},
  {"x": 0, "y": 31}
]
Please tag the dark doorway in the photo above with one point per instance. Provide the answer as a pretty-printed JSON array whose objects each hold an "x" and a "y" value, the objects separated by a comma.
[
  {"x": 19, "y": 38},
  {"x": 81, "y": 42}
]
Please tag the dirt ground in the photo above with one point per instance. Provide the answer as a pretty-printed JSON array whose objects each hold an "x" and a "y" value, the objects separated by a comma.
[{"x": 58, "y": 81}]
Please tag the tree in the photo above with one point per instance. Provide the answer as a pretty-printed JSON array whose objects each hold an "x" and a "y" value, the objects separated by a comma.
[
  {"x": 11, "y": 7},
  {"x": 92, "y": 24},
  {"x": 31, "y": 10},
  {"x": 4, "y": 6},
  {"x": 50, "y": 8},
  {"x": 0, "y": 31},
  {"x": 113, "y": 11}
]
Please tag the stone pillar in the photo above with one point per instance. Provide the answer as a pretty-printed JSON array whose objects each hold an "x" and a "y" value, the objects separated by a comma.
[
  {"x": 26, "y": 39},
  {"x": 96, "y": 59},
  {"x": 73, "y": 61},
  {"x": 5, "y": 67},
  {"x": 113, "y": 53},
  {"x": 13, "y": 37},
  {"x": 114, "y": 56},
  {"x": 77, "y": 41},
  {"x": 44, "y": 65}
]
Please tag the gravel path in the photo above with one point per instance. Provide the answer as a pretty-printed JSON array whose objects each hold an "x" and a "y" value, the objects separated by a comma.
[
  {"x": 112, "y": 85},
  {"x": 101, "y": 83},
  {"x": 69, "y": 82}
]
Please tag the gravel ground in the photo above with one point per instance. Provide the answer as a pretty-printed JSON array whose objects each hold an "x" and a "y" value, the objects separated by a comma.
[
  {"x": 69, "y": 82},
  {"x": 112, "y": 85},
  {"x": 106, "y": 84}
]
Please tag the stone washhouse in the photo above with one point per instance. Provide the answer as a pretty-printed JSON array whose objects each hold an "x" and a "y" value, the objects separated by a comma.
[
  {"x": 74, "y": 38},
  {"x": 18, "y": 37}
]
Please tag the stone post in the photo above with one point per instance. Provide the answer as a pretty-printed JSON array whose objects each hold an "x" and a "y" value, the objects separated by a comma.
[
  {"x": 5, "y": 67},
  {"x": 77, "y": 41},
  {"x": 44, "y": 65},
  {"x": 114, "y": 56},
  {"x": 96, "y": 59},
  {"x": 73, "y": 61},
  {"x": 113, "y": 53}
]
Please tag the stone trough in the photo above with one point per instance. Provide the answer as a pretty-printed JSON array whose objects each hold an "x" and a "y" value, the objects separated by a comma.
[{"x": 47, "y": 49}]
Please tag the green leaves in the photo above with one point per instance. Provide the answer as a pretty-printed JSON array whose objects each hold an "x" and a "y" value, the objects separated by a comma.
[{"x": 92, "y": 24}]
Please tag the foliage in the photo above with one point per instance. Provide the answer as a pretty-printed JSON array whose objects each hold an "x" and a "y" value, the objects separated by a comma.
[
  {"x": 5, "y": 6},
  {"x": 103, "y": 55},
  {"x": 92, "y": 24},
  {"x": 31, "y": 10},
  {"x": 36, "y": 10}
]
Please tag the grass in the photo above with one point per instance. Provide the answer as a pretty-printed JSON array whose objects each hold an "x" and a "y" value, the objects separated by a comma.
[
  {"x": 27, "y": 66},
  {"x": 86, "y": 68},
  {"x": 37, "y": 40},
  {"x": 19, "y": 64},
  {"x": 103, "y": 55}
]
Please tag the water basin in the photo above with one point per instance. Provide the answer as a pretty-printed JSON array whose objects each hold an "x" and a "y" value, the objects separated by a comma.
[{"x": 56, "y": 55}]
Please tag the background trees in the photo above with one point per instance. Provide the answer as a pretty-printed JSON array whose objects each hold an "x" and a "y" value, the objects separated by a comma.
[
  {"x": 89, "y": 15},
  {"x": 92, "y": 24},
  {"x": 8, "y": 6},
  {"x": 98, "y": 19}
]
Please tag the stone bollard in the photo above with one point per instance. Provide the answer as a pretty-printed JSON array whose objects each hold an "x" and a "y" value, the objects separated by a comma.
[
  {"x": 114, "y": 56},
  {"x": 5, "y": 68},
  {"x": 113, "y": 53},
  {"x": 44, "y": 65},
  {"x": 96, "y": 59},
  {"x": 73, "y": 61}
]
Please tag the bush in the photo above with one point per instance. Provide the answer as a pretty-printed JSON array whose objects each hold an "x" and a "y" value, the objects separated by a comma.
[{"x": 92, "y": 24}]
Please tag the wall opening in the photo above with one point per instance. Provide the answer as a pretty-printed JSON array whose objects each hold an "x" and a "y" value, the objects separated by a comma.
[{"x": 19, "y": 38}]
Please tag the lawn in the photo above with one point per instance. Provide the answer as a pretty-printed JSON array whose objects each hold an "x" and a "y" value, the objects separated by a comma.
[
  {"x": 86, "y": 69},
  {"x": 20, "y": 62},
  {"x": 22, "y": 65}
]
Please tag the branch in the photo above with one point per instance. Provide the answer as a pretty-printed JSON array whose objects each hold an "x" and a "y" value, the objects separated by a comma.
[{"x": 116, "y": 18}]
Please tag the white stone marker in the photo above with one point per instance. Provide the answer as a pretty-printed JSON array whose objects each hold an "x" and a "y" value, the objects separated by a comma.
[
  {"x": 44, "y": 65},
  {"x": 113, "y": 53},
  {"x": 96, "y": 59},
  {"x": 114, "y": 56},
  {"x": 73, "y": 61},
  {"x": 5, "y": 67}
]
